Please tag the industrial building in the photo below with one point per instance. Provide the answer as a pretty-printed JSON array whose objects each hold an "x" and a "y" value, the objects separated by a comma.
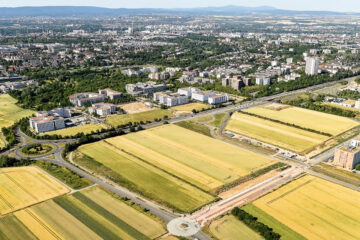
[{"x": 348, "y": 156}]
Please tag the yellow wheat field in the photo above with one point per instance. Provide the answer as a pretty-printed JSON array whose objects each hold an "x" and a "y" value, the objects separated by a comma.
[
  {"x": 24, "y": 186},
  {"x": 315, "y": 208},
  {"x": 291, "y": 138},
  {"x": 72, "y": 131},
  {"x": 319, "y": 121}
]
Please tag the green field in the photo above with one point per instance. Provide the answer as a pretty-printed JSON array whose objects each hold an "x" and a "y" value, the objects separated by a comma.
[
  {"x": 10, "y": 113},
  {"x": 278, "y": 134},
  {"x": 89, "y": 214},
  {"x": 314, "y": 208},
  {"x": 123, "y": 119},
  {"x": 219, "y": 118},
  {"x": 191, "y": 106},
  {"x": 305, "y": 118},
  {"x": 72, "y": 131},
  {"x": 196, "y": 127},
  {"x": 230, "y": 228},
  {"x": 169, "y": 150}
]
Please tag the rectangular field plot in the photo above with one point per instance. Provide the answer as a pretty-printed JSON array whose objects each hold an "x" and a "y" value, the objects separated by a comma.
[
  {"x": 24, "y": 186},
  {"x": 122, "y": 119},
  {"x": 150, "y": 159},
  {"x": 315, "y": 208},
  {"x": 230, "y": 228},
  {"x": 90, "y": 214},
  {"x": 278, "y": 134},
  {"x": 191, "y": 106},
  {"x": 72, "y": 131},
  {"x": 305, "y": 118}
]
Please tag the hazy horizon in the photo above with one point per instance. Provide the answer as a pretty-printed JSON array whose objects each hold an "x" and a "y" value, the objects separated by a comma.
[{"x": 307, "y": 5}]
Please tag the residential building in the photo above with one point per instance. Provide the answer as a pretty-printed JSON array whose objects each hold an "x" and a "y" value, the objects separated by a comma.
[
  {"x": 102, "y": 109},
  {"x": 110, "y": 93},
  {"x": 235, "y": 82},
  {"x": 312, "y": 66},
  {"x": 187, "y": 91},
  {"x": 79, "y": 99}
]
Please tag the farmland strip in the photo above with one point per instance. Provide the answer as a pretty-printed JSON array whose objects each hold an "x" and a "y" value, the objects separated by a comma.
[
  {"x": 21, "y": 187},
  {"x": 111, "y": 217},
  {"x": 6, "y": 202},
  {"x": 43, "y": 224},
  {"x": 86, "y": 219}
]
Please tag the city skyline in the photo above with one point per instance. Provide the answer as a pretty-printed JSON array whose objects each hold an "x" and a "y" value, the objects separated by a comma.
[{"x": 307, "y": 5}]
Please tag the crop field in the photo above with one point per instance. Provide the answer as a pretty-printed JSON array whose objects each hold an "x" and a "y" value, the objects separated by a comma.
[
  {"x": 24, "y": 186},
  {"x": 230, "y": 228},
  {"x": 89, "y": 214},
  {"x": 161, "y": 152},
  {"x": 10, "y": 112},
  {"x": 189, "y": 107},
  {"x": 278, "y": 134},
  {"x": 122, "y": 119},
  {"x": 72, "y": 131},
  {"x": 315, "y": 208},
  {"x": 305, "y": 118}
]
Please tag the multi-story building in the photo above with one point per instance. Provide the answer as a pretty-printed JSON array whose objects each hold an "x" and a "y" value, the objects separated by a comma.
[
  {"x": 235, "y": 82},
  {"x": 202, "y": 96},
  {"x": 312, "y": 66},
  {"x": 50, "y": 120},
  {"x": 170, "y": 99},
  {"x": 102, "y": 109},
  {"x": 348, "y": 156},
  {"x": 263, "y": 80},
  {"x": 110, "y": 93},
  {"x": 218, "y": 99},
  {"x": 187, "y": 91},
  {"x": 80, "y": 99},
  {"x": 144, "y": 88}
]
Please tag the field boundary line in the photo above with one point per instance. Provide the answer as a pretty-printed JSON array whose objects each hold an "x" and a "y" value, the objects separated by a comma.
[
  {"x": 42, "y": 224},
  {"x": 288, "y": 192}
]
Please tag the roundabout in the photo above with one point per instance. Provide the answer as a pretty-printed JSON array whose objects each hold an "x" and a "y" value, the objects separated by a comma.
[
  {"x": 36, "y": 150},
  {"x": 183, "y": 227}
]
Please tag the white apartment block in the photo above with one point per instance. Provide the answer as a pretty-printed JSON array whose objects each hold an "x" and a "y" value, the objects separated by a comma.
[
  {"x": 187, "y": 91},
  {"x": 218, "y": 99},
  {"x": 263, "y": 80},
  {"x": 46, "y": 123},
  {"x": 102, "y": 109},
  {"x": 170, "y": 99},
  {"x": 312, "y": 66}
]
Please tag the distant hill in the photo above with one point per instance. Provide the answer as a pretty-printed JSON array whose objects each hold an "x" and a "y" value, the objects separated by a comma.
[{"x": 69, "y": 11}]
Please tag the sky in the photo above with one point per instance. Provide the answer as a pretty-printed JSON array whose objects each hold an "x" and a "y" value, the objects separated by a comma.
[{"x": 323, "y": 5}]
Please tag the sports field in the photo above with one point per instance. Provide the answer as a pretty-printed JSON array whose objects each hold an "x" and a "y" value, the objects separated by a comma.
[
  {"x": 122, "y": 119},
  {"x": 72, "y": 131},
  {"x": 230, "y": 228},
  {"x": 305, "y": 118},
  {"x": 10, "y": 112},
  {"x": 89, "y": 214},
  {"x": 189, "y": 107},
  {"x": 24, "y": 186},
  {"x": 278, "y": 134},
  {"x": 167, "y": 150},
  {"x": 315, "y": 208}
]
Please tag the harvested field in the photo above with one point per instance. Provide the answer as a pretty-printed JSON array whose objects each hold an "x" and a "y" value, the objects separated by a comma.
[
  {"x": 305, "y": 118},
  {"x": 123, "y": 119},
  {"x": 72, "y": 131},
  {"x": 90, "y": 214},
  {"x": 189, "y": 107},
  {"x": 315, "y": 208},
  {"x": 230, "y": 228},
  {"x": 278, "y": 134},
  {"x": 24, "y": 186},
  {"x": 10, "y": 113},
  {"x": 135, "y": 107}
]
